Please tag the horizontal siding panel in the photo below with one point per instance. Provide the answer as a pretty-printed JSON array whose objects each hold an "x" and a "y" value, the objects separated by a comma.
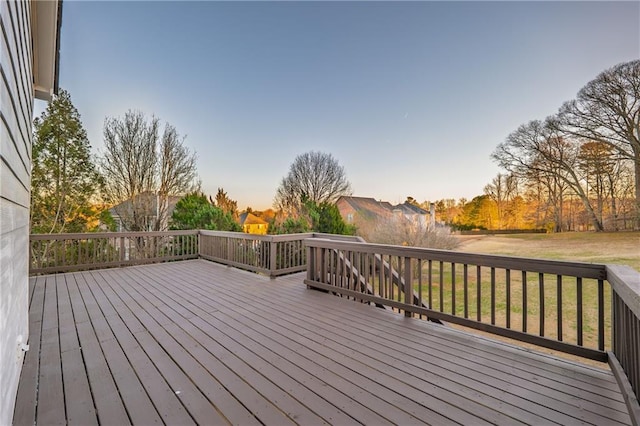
[
  {"x": 11, "y": 188},
  {"x": 26, "y": 68},
  {"x": 13, "y": 95},
  {"x": 11, "y": 156},
  {"x": 23, "y": 67},
  {"x": 9, "y": 114},
  {"x": 12, "y": 216}
]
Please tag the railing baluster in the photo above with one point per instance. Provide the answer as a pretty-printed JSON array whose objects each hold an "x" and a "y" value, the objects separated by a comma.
[
  {"x": 541, "y": 302},
  {"x": 493, "y": 295},
  {"x": 579, "y": 310},
  {"x": 441, "y": 292},
  {"x": 466, "y": 290},
  {"x": 381, "y": 276},
  {"x": 524, "y": 301},
  {"x": 559, "y": 307},
  {"x": 399, "y": 286},
  {"x": 508, "y": 296},
  {"x": 478, "y": 293},
  {"x": 601, "y": 315},
  {"x": 453, "y": 288},
  {"x": 430, "y": 283},
  {"x": 420, "y": 284}
]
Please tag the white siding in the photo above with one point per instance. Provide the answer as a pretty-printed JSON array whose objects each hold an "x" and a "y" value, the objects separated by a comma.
[{"x": 16, "y": 106}]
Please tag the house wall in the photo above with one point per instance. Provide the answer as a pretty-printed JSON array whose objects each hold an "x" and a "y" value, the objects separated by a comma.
[
  {"x": 255, "y": 228},
  {"x": 16, "y": 110},
  {"x": 346, "y": 211}
]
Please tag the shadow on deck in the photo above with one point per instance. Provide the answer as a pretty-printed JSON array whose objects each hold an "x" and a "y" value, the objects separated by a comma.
[{"x": 196, "y": 342}]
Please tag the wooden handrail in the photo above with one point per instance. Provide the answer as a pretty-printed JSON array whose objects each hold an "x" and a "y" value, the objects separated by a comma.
[
  {"x": 454, "y": 274},
  {"x": 625, "y": 283},
  {"x": 50, "y": 253},
  {"x": 615, "y": 291}
]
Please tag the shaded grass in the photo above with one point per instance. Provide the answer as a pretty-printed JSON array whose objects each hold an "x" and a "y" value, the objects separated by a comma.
[
  {"x": 620, "y": 248},
  {"x": 509, "y": 308}
]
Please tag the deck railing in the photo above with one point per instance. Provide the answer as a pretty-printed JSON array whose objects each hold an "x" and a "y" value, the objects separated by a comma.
[
  {"x": 268, "y": 254},
  {"x": 51, "y": 253},
  {"x": 273, "y": 255},
  {"x": 625, "y": 284},
  {"x": 577, "y": 308}
]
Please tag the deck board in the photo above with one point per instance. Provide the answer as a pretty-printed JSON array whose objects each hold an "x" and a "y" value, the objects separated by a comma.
[
  {"x": 483, "y": 394},
  {"x": 195, "y": 342}
]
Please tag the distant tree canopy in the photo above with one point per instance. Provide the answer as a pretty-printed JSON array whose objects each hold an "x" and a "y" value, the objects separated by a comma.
[
  {"x": 226, "y": 204},
  {"x": 607, "y": 110},
  {"x": 64, "y": 179},
  {"x": 194, "y": 211},
  {"x": 325, "y": 218},
  {"x": 588, "y": 152},
  {"x": 139, "y": 162},
  {"x": 313, "y": 176}
]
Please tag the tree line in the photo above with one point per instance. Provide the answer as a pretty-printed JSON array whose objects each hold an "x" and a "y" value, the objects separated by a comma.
[
  {"x": 143, "y": 165},
  {"x": 146, "y": 172},
  {"x": 578, "y": 169}
]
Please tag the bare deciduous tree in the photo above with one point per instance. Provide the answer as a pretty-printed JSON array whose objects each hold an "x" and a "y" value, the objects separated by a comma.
[
  {"x": 315, "y": 176},
  {"x": 539, "y": 150},
  {"x": 145, "y": 169},
  {"x": 607, "y": 110},
  {"x": 501, "y": 190}
]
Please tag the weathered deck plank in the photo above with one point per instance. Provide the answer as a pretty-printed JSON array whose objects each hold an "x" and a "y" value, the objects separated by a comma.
[
  {"x": 196, "y": 342},
  {"x": 492, "y": 395}
]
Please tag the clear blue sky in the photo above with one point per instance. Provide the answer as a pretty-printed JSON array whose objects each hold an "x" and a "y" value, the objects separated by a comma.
[{"x": 411, "y": 97}]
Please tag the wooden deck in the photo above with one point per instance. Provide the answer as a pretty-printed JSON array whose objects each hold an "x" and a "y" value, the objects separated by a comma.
[{"x": 196, "y": 342}]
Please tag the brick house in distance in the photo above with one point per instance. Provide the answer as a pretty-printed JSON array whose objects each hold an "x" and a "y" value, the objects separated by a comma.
[{"x": 356, "y": 210}]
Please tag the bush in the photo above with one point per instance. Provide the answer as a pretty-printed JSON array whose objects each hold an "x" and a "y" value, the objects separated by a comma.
[{"x": 404, "y": 232}]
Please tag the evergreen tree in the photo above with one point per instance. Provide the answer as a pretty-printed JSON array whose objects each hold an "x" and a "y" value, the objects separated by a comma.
[
  {"x": 64, "y": 179},
  {"x": 194, "y": 211}
]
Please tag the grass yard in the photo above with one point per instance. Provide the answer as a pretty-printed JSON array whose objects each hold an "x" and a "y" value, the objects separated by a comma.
[
  {"x": 621, "y": 248},
  {"x": 449, "y": 295},
  {"x": 614, "y": 248}
]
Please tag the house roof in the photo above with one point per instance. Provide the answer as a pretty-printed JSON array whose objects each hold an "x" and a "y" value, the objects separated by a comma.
[
  {"x": 247, "y": 218},
  {"x": 411, "y": 209},
  {"x": 148, "y": 202},
  {"x": 45, "y": 36},
  {"x": 367, "y": 207}
]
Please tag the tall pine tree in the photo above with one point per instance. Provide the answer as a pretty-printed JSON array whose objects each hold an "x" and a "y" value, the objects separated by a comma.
[{"x": 64, "y": 179}]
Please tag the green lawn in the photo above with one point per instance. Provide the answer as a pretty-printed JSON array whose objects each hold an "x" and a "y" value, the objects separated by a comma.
[
  {"x": 604, "y": 247},
  {"x": 590, "y": 247}
]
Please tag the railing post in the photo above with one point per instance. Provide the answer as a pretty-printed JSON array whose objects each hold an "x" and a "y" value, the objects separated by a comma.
[
  {"x": 122, "y": 259},
  {"x": 408, "y": 286},
  {"x": 273, "y": 264},
  {"x": 310, "y": 263}
]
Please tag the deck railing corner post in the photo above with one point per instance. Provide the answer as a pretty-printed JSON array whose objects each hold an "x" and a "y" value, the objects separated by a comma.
[{"x": 273, "y": 264}]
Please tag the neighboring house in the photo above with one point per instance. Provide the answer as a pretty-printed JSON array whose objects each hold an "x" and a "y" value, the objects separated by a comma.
[
  {"x": 357, "y": 209},
  {"x": 29, "y": 68},
  {"x": 354, "y": 209},
  {"x": 252, "y": 224},
  {"x": 413, "y": 213},
  {"x": 145, "y": 210}
]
